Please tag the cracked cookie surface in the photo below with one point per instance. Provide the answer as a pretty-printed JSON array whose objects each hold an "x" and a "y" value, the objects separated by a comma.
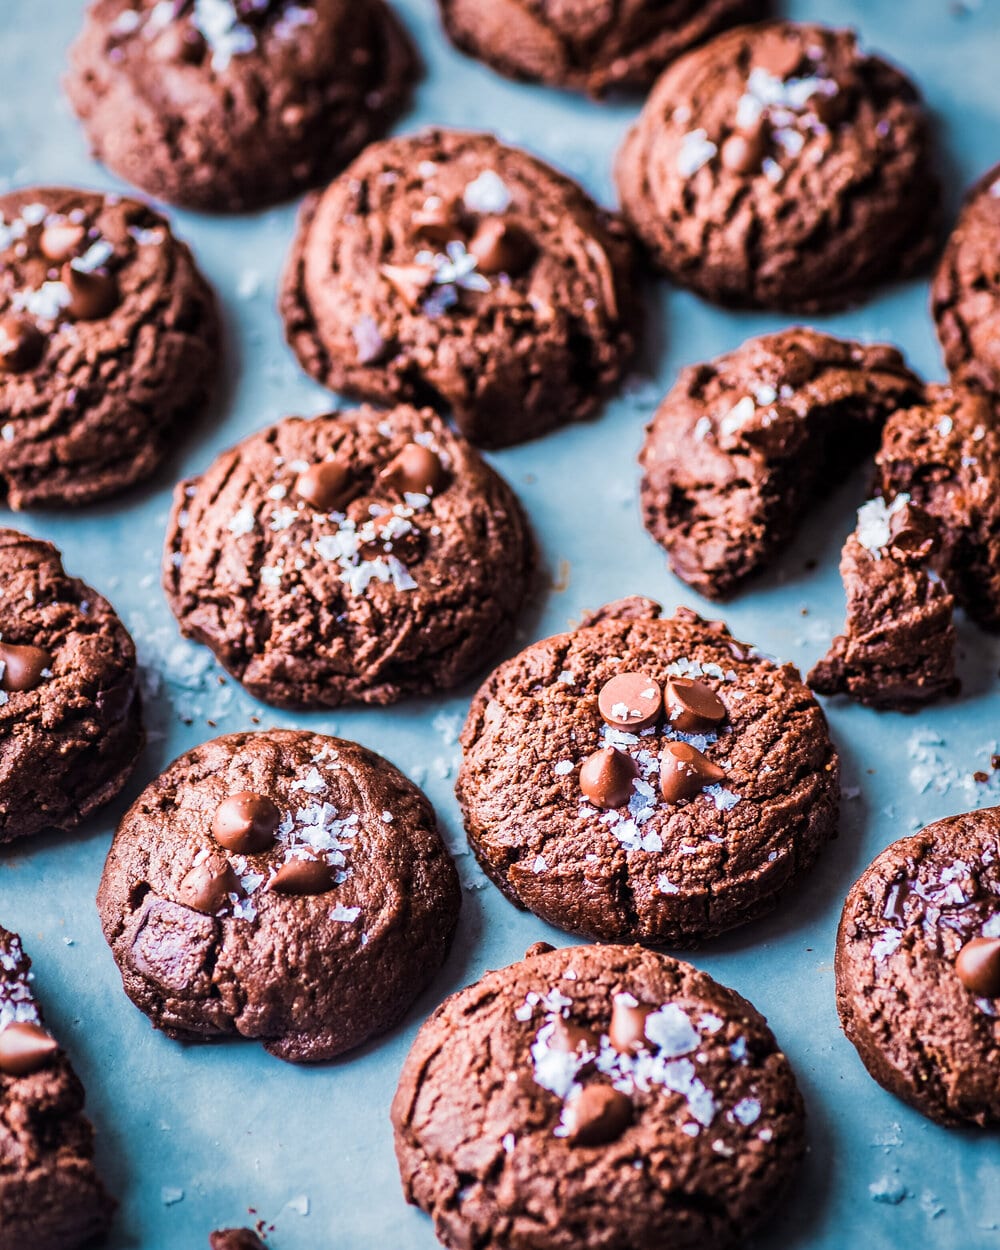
[
  {"x": 355, "y": 557},
  {"x": 502, "y": 1124},
  {"x": 449, "y": 269},
  {"x": 645, "y": 865},
  {"x": 308, "y": 919}
]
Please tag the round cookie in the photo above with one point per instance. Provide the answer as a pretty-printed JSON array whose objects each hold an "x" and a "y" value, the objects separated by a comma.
[
  {"x": 918, "y": 969},
  {"x": 588, "y": 45},
  {"x": 965, "y": 297},
  {"x": 446, "y": 268},
  {"x": 232, "y": 104},
  {"x": 744, "y": 445},
  {"x": 597, "y": 1096},
  {"x": 357, "y": 557},
  {"x": 282, "y": 886},
  {"x": 109, "y": 337},
  {"x": 646, "y": 779},
  {"x": 780, "y": 167},
  {"x": 70, "y": 716}
]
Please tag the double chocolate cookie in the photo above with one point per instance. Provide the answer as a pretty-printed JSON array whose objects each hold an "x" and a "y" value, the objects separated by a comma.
[
  {"x": 965, "y": 298},
  {"x": 898, "y": 648},
  {"x": 944, "y": 454},
  {"x": 355, "y": 557},
  {"x": 51, "y": 1198},
  {"x": 109, "y": 337},
  {"x": 918, "y": 969},
  {"x": 597, "y": 1096},
  {"x": 70, "y": 718},
  {"x": 646, "y": 779},
  {"x": 281, "y": 886},
  {"x": 232, "y": 104},
  {"x": 235, "y": 1239},
  {"x": 589, "y": 45},
  {"x": 743, "y": 445},
  {"x": 446, "y": 268},
  {"x": 779, "y": 166}
]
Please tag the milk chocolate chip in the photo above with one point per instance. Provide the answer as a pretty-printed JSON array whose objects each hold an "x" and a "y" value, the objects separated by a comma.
[
  {"x": 25, "y": 1048},
  {"x": 21, "y": 344},
  {"x": 302, "y": 876},
  {"x": 978, "y": 967},
  {"x": 415, "y": 470},
  {"x": 627, "y": 1033},
  {"x": 606, "y": 777},
  {"x": 325, "y": 486},
  {"x": 693, "y": 707},
  {"x": 245, "y": 823},
  {"x": 684, "y": 772},
  {"x": 595, "y": 1115},
  {"x": 630, "y": 701},
  {"x": 23, "y": 666},
  {"x": 207, "y": 886}
]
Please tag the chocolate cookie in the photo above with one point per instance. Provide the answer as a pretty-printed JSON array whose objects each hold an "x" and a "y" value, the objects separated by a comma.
[
  {"x": 745, "y": 444},
  {"x": 945, "y": 455},
  {"x": 281, "y": 886},
  {"x": 898, "y": 648},
  {"x": 918, "y": 969},
  {"x": 51, "y": 1198},
  {"x": 70, "y": 717},
  {"x": 646, "y": 779},
  {"x": 108, "y": 337},
  {"x": 445, "y": 268},
  {"x": 235, "y": 1239},
  {"x": 965, "y": 297},
  {"x": 357, "y": 557},
  {"x": 597, "y": 1096},
  {"x": 588, "y": 45},
  {"x": 779, "y": 166},
  {"x": 232, "y": 104}
]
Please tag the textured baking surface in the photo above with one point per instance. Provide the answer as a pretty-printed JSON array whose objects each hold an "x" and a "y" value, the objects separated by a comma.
[{"x": 189, "y": 1137}]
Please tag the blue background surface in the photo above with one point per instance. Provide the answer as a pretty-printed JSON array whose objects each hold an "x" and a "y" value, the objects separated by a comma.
[{"x": 192, "y": 1136}]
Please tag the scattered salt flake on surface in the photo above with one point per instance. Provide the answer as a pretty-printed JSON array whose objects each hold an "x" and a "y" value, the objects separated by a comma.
[
  {"x": 566, "y": 677},
  {"x": 487, "y": 194},
  {"x": 747, "y": 1111},
  {"x": 888, "y": 1189},
  {"x": 665, "y": 885},
  {"x": 270, "y": 575},
  {"x": 872, "y": 530},
  {"x": 448, "y": 725},
  {"x": 892, "y": 1136},
  {"x": 690, "y": 1130},
  {"x": 508, "y": 1142},
  {"x": 931, "y": 1204},
  {"x": 170, "y": 1196},
  {"x": 7, "y": 432},
  {"x": 387, "y": 817},
  {"x": 671, "y": 1029},
  {"x": 312, "y": 783},
  {"x": 886, "y": 945},
  {"x": 299, "y": 1204},
  {"x": 345, "y": 914},
  {"x": 702, "y": 428},
  {"x": 241, "y": 522},
  {"x": 738, "y": 415},
  {"x": 46, "y": 303},
  {"x": 710, "y": 1022},
  {"x": 696, "y": 150},
  {"x": 539, "y": 865},
  {"x": 723, "y": 799},
  {"x": 738, "y": 1050},
  {"x": 562, "y": 767}
]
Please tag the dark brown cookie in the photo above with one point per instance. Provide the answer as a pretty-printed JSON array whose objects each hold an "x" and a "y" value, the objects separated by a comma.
[
  {"x": 51, "y": 1198},
  {"x": 945, "y": 455},
  {"x": 356, "y": 557},
  {"x": 589, "y": 45},
  {"x": 597, "y": 1096},
  {"x": 70, "y": 716},
  {"x": 965, "y": 297},
  {"x": 918, "y": 969},
  {"x": 108, "y": 337},
  {"x": 235, "y": 1239},
  {"x": 232, "y": 104},
  {"x": 898, "y": 648},
  {"x": 446, "y": 268},
  {"x": 779, "y": 166},
  {"x": 745, "y": 444},
  {"x": 281, "y": 886},
  {"x": 646, "y": 779}
]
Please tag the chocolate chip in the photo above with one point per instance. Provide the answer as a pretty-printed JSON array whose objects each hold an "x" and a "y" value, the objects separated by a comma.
[
  {"x": 502, "y": 247},
  {"x": 627, "y": 1032},
  {"x": 61, "y": 240},
  {"x": 595, "y": 1115},
  {"x": 895, "y": 901},
  {"x": 183, "y": 44},
  {"x": 538, "y": 948},
  {"x": 630, "y": 701},
  {"x": 978, "y": 967},
  {"x": 606, "y": 777},
  {"x": 913, "y": 533},
  {"x": 777, "y": 54},
  {"x": 744, "y": 150},
  {"x": 409, "y": 281},
  {"x": 684, "y": 772},
  {"x": 302, "y": 876},
  {"x": 327, "y": 486},
  {"x": 207, "y": 886},
  {"x": 23, "y": 667},
  {"x": 92, "y": 295},
  {"x": 692, "y": 707},
  {"x": 245, "y": 823},
  {"x": 572, "y": 1039},
  {"x": 415, "y": 470},
  {"x": 25, "y": 1048},
  {"x": 21, "y": 344}
]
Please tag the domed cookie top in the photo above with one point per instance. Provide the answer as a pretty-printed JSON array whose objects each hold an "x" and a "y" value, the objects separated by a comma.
[
  {"x": 646, "y": 779},
  {"x": 965, "y": 298},
  {"x": 281, "y": 886},
  {"x": 70, "y": 719},
  {"x": 356, "y": 557},
  {"x": 743, "y": 445},
  {"x": 254, "y": 99},
  {"x": 780, "y": 167},
  {"x": 597, "y": 1096},
  {"x": 50, "y": 1195},
  {"x": 918, "y": 968},
  {"x": 445, "y": 267},
  {"x": 588, "y": 44},
  {"x": 108, "y": 337}
]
